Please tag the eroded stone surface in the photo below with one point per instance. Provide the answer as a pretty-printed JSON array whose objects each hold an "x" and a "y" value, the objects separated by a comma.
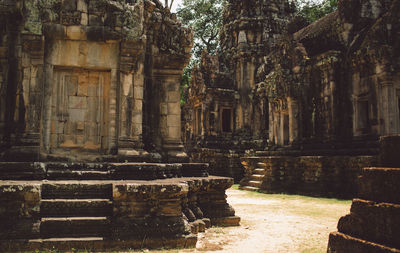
[
  {"x": 373, "y": 223},
  {"x": 143, "y": 213},
  {"x": 84, "y": 80},
  {"x": 332, "y": 176}
]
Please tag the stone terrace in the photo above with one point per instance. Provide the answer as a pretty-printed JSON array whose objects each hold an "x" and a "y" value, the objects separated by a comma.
[{"x": 102, "y": 215}]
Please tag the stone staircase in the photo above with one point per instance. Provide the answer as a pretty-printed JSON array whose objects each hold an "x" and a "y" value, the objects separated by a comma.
[
  {"x": 75, "y": 212},
  {"x": 107, "y": 206},
  {"x": 255, "y": 179}
]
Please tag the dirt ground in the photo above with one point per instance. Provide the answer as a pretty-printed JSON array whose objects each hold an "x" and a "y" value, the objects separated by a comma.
[{"x": 274, "y": 223}]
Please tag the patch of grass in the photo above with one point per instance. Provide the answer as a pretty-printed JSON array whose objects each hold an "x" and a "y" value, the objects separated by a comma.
[
  {"x": 314, "y": 207},
  {"x": 313, "y": 250}
]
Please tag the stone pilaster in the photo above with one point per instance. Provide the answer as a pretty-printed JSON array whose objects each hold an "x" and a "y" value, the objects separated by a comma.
[
  {"x": 170, "y": 114},
  {"x": 293, "y": 120},
  {"x": 130, "y": 145},
  {"x": 388, "y": 106}
]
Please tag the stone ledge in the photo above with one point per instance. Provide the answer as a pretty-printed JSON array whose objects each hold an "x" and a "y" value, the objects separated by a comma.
[
  {"x": 380, "y": 184},
  {"x": 375, "y": 222},
  {"x": 97, "y": 244},
  {"x": 341, "y": 243}
]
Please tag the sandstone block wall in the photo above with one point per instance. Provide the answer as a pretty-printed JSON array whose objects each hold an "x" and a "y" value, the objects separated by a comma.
[
  {"x": 94, "y": 77},
  {"x": 20, "y": 211},
  {"x": 332, "y": 176}
]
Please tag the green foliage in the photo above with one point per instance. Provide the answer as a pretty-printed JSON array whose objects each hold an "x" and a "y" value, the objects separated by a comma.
[
  {"x": 313, "y": 11},
  {"x": 185, "y": 81},
  {"x": 205, "y": 18}
]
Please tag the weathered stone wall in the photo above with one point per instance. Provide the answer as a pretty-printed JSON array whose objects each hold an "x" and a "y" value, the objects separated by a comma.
[
  {"x": 20, "y": 211},
  {"x": 221, "y": 162},
  {"x": 91, "y": 77},
  {"x": 329, "y": 176}
]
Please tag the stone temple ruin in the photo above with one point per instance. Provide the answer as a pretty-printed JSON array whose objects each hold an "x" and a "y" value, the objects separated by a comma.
[
  {"x": 306, "y": 109},
  {"x": 90, "y": 132},
  {"x": 304, "y": 104},
  {"x": 91, "y": 150}
]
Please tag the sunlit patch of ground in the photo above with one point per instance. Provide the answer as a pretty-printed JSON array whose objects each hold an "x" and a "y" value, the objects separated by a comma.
[{"x": 274, "y": 223}]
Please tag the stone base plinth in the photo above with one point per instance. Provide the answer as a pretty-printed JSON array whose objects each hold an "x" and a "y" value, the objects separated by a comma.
[
  {"x": 98, "y": 244},
  {"x": 109, "y": 215}
]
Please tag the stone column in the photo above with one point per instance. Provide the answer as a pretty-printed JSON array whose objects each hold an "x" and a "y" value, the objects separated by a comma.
[
  {"x": 293, "y": 108},
  {"x": 170, "y": 114}
]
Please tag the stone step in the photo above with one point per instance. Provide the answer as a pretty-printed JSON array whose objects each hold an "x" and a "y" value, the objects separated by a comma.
[
  {"x": 261, "y": 165},
  {"x": 78, "y": 175},
  {"x": 21, "y": 171},
  {"x": 195, "y": 169},
  {"x": 144, "y": 171},
  {"x": 74, "y": 227},
  {"x": 380, "y": 184},
  {"x": 255, "y": 183},
  {"x": 342, "y": 243},
  {"x": 76, "y": 190},
  {"x": 68, "y": 239},
  {"x": 77, "y": 166},
  {"x": 75, "y": 207},
  {"x": 375, "y": 222},
  {"x": 259, "y": 171},
  {"x": 257, "y": 177},
  {"x": 249, "y": 188},
  {"x": 86, "y": 244}
]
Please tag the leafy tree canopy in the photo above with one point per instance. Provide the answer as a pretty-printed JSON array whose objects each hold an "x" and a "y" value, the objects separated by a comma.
[
  {"x": 205, "y": 18},
  {"x": 313, "y": 10}
]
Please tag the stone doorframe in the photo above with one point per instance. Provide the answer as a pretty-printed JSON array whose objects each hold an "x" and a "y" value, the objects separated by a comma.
[{"x": 80, "y": 54}]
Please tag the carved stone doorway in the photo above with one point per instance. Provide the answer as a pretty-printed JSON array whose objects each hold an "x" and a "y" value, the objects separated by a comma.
[{"x": 80, "y": 101}]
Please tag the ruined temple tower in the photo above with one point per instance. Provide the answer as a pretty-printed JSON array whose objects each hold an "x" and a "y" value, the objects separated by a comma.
[
  {"x": 223, "y": 117},
  {"x": 249, "y": 32}
]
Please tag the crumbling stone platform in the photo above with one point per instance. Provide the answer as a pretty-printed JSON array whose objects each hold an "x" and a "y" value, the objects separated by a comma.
[
  {"x": 373, "y": 224},
  {"x": 105, "y": 214},
  {"x": 330, "y": 176}
]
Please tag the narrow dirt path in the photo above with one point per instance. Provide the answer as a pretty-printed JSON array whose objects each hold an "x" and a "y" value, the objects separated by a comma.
[{"x": 274, "y": 223}]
